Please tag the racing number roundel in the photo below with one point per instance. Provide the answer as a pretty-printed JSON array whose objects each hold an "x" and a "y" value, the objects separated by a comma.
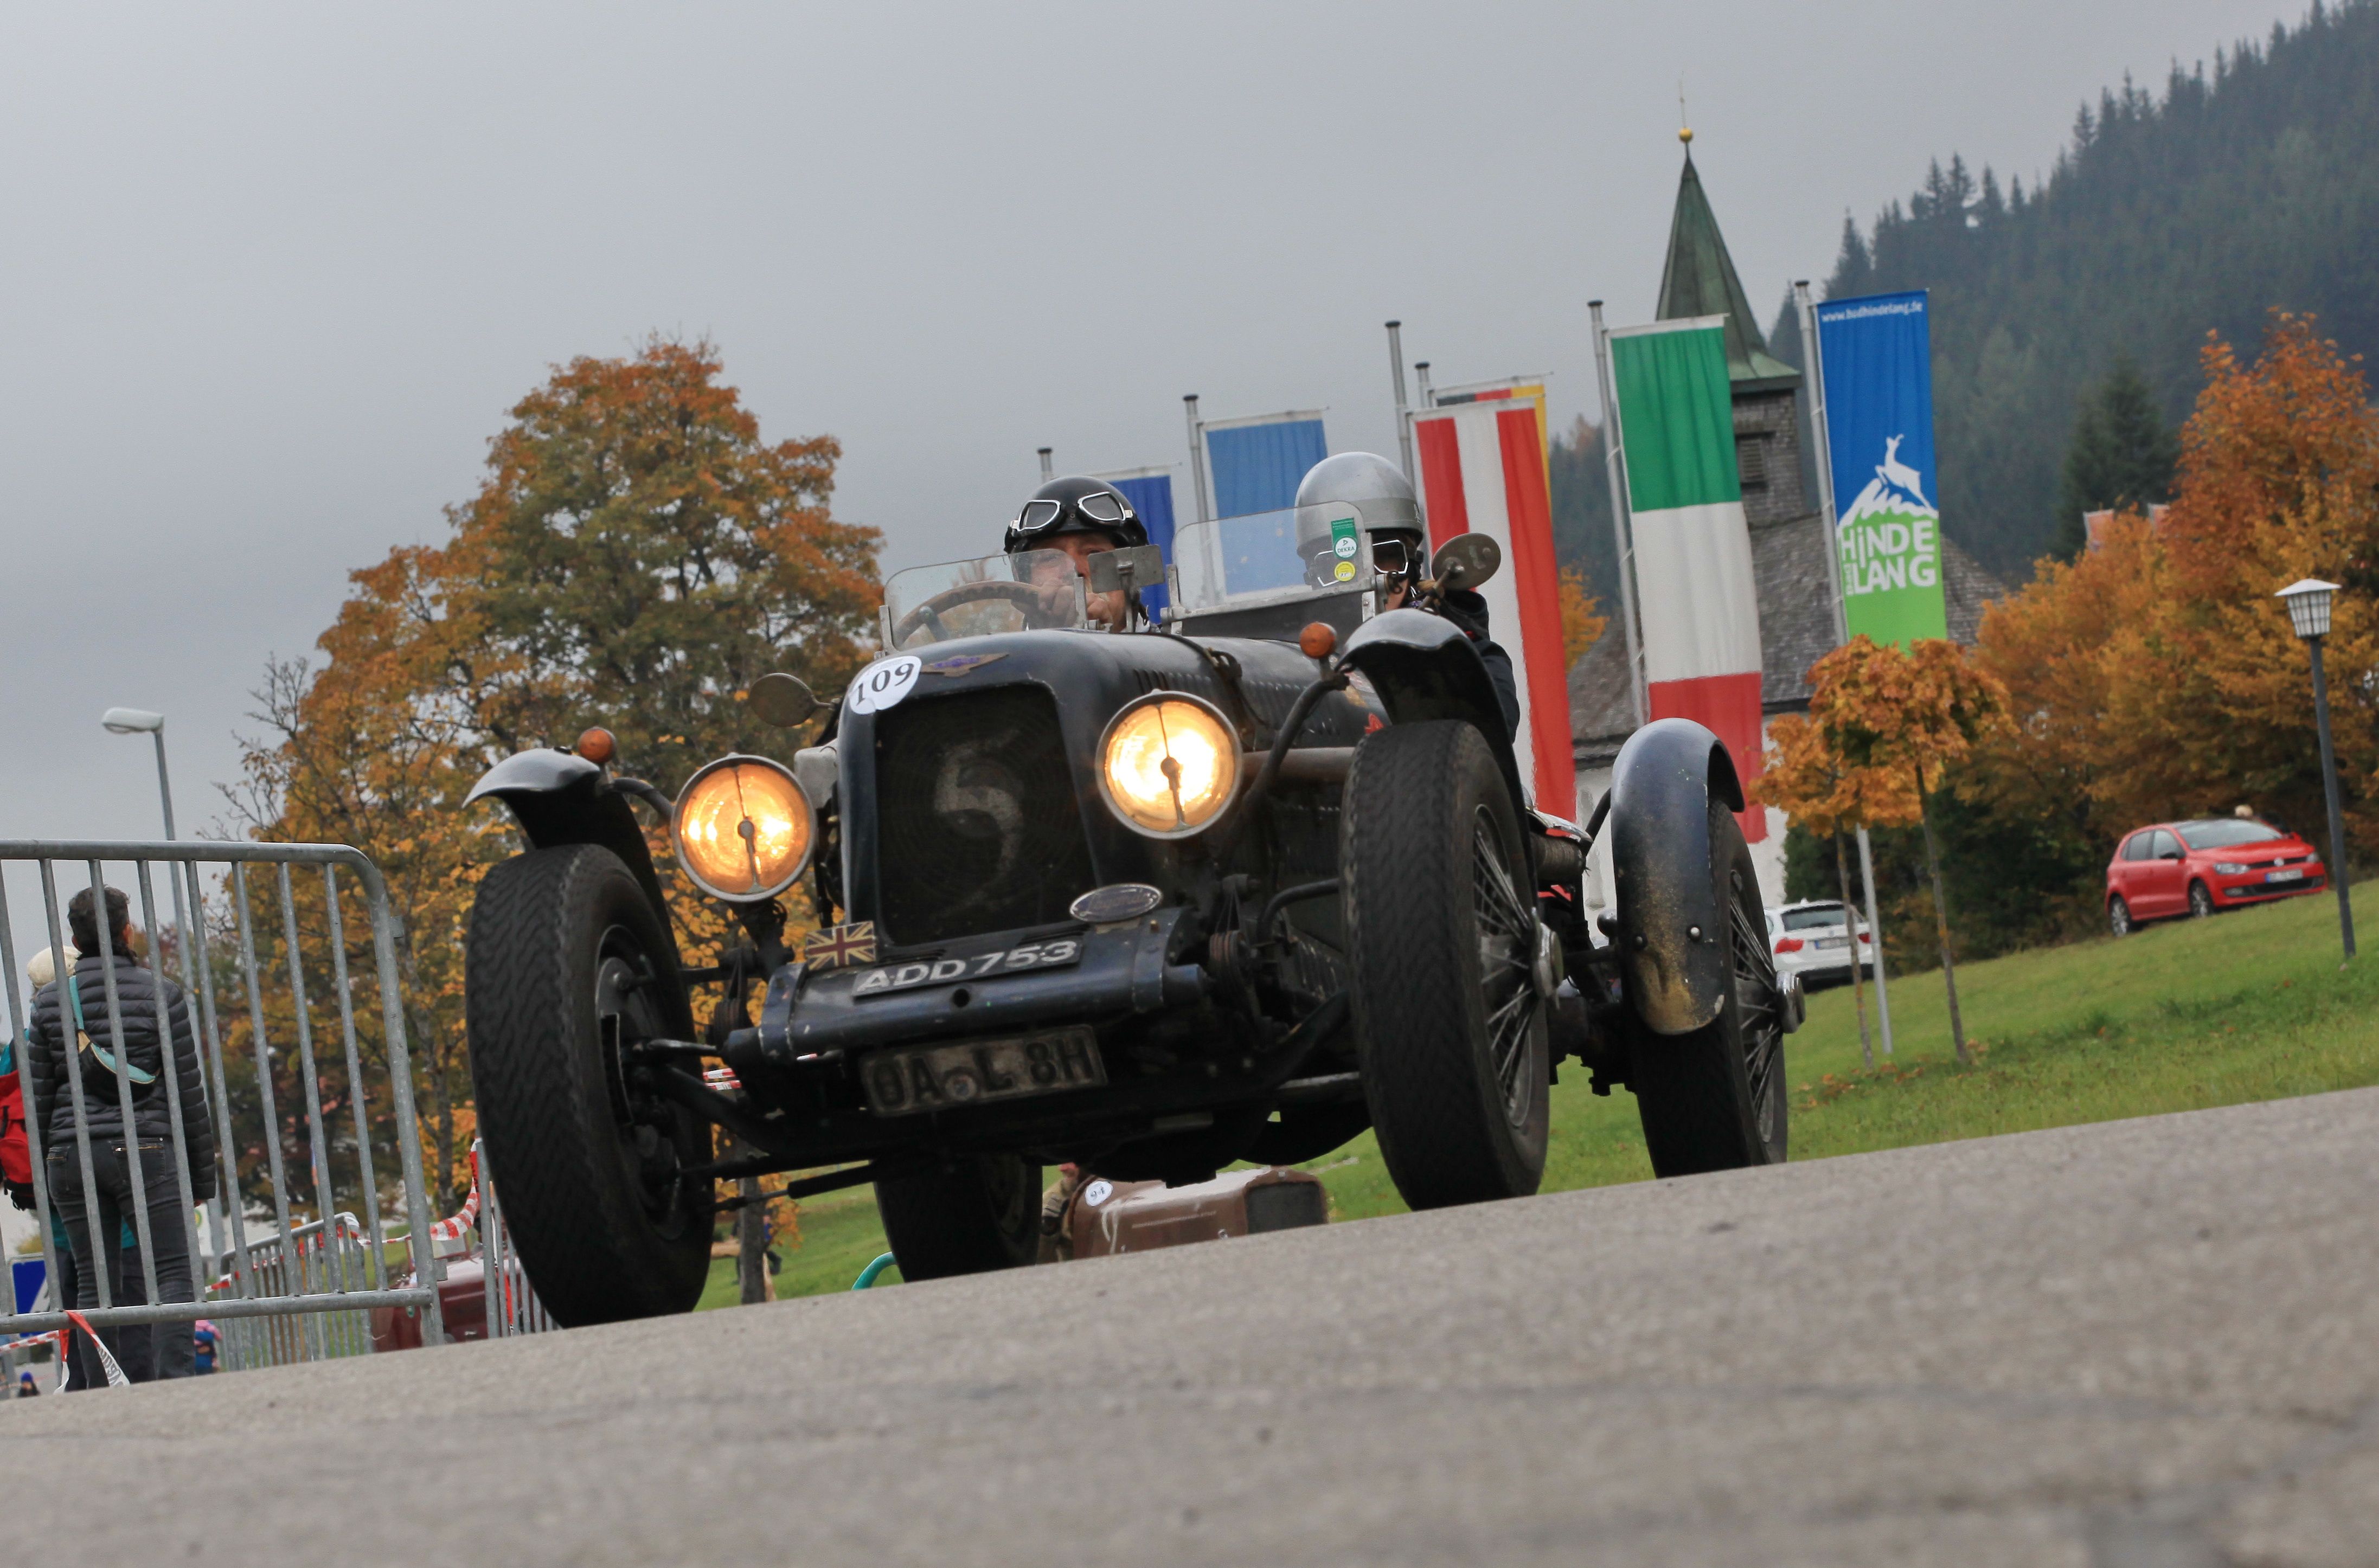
[{"x": 884, "y": 684}]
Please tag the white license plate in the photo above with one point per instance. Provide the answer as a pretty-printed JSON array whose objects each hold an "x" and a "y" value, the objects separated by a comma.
[
  {"x": 884, "y": 981},
  {"x": 944, "y": 1078},
  {"x": 1833, "y": 940},
  {"x": 2287, "y": 874}
]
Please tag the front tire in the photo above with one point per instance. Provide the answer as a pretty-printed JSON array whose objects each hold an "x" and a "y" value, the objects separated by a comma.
[
  {"x": 566, "y": 966},
  {"x": 1450, "y": 1031},
  {"x": 2118, "y": 916},
  {"x": 969, "y": 1216},
  {"x": 2201, "y": 902},
  {"x": 1712, "y": 1099}
]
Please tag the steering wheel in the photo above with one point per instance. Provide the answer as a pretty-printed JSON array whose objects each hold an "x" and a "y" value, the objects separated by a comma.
[{"x": 1028, "y": 597}]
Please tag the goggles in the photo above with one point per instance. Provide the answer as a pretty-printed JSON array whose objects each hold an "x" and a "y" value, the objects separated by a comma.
[
  {"x": 1391, "y": 558},
  {"x": 1099, "y": 506}
]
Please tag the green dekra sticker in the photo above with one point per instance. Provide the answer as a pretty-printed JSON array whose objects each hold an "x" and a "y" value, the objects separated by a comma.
[{"x": 1344, "y": 544}]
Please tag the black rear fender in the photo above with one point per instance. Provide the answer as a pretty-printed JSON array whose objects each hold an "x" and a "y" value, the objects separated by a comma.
[{"x": 1660, "y": 790}]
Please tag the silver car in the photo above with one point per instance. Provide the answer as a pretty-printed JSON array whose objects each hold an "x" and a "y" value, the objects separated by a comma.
[{"x": 1811, "y": 940}]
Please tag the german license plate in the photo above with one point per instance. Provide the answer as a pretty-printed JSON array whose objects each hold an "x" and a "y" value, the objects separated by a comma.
[
  {"x": 1833, "y": 940},
  {"x": 2285, "y": 874},
  {"x": 944, "y": 1078},
  {"x": 886, "y": 980}
]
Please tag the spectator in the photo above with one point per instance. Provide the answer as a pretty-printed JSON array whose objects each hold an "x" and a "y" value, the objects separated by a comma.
[
  {"x": 207, "y": 1341},
  {"x": 27, "y": 1388},
  {"x": 72, "y": 1033}
]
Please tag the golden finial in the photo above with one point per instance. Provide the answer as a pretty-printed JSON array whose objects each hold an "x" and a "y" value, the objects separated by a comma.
[
  {"x": 1684, "y": 131},
  {"x": 1685, "y": 135}
]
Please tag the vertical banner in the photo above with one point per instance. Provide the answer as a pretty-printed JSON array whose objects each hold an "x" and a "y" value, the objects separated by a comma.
[
  {"x": 1150, "y": 490},
  {"x": 1878, "y": 360},
  {"x": 1482, "y": 470},
  {"x": 1693, "y": 586},
  {"x": 1519, "y": 389},
  {"x": 1255, "y": 465}
]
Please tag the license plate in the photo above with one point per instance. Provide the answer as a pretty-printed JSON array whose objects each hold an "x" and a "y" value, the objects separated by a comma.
[
  {"x": 884, "y": 981},
  {"x": 944, "y": 1078},
  {"x": 2290, "y": 874},
  {"x": 1833, "y": 940}
]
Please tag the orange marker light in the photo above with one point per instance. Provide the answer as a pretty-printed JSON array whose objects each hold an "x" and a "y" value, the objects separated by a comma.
[
  {"x": 597, "y": 746},
  {"x": 1319, "y": 639}
]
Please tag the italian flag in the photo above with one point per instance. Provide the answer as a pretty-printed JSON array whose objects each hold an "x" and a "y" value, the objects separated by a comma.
[
  {"x": 1482, "y": 470},
  {"x": 1695, "y": 594}
]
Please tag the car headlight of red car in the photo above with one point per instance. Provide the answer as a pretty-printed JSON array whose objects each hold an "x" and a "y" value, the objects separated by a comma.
[{"x": 2228, "y": 868}]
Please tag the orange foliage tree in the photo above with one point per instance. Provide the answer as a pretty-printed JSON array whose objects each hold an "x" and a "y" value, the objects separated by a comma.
[
  {"x": 2157, "y": 677},
  {"x": 635, "y": 557},
  {"x": 1582, "y": 621}
]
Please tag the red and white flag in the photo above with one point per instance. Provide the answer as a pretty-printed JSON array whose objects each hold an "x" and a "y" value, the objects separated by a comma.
[{"x": 1482, "y": 470}]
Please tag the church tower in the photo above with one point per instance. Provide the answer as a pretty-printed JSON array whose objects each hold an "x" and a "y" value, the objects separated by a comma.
[{"x": 1698, "y": 279}]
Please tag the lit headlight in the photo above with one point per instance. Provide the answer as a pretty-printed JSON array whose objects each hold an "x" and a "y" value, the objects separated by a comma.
[
  {"x": 1169, "y": 764},
  {"x": 743, "y": 829}
]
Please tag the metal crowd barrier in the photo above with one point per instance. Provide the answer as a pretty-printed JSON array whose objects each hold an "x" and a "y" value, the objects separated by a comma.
[{"x": 298, "y": 1292}]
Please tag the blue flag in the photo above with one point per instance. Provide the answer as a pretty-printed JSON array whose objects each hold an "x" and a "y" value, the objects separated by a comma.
[
  {"x": 1150, "y": 490},
  {"x": 1878, "y": 359},
  {"x": 1256, "y": 464}
]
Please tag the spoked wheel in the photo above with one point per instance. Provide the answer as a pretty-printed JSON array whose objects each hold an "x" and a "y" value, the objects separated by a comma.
[
  {"x": 1713, "y": 1099},
  {"x": 567, "y": 970},
  {"x": 967, "y": 1216},
  {"x": 2201, "y": 902},
  {"x": 1450, "y": 1022},
  {"x": 2118, "y": 916}
]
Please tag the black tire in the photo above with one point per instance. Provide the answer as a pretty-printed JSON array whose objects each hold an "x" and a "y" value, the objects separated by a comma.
[
  {"x": 605, "y": 1229},
  {"x": 2201, "y": 902},
  {"x": 1714, "y": 1099},
  {"x": 1454, "y": 1058},
  {"x": 969, "y": 1217},
  {"x": 2118, "y": 916}
]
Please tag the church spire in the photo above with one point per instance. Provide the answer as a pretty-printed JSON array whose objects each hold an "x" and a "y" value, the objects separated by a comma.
[{"x": 1699, "y": 279}]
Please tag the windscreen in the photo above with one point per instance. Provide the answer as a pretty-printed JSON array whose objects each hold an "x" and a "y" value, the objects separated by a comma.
[
  {"x": 2223, "y": 832},
  {"x": 1268, "y": 556},
  {"x": 1028, "y": 591}
]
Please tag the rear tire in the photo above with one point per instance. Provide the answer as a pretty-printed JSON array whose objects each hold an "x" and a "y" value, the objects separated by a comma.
[
  {"x": 2201, "y": 902},
  {"x": 970, "y": 1216},
  {"x": 1713, "y": 1099},
  {"x": 2118, "y": 916},
  {"x": 1451, "y": 1034},
  {"x": 561, "y": 939}
]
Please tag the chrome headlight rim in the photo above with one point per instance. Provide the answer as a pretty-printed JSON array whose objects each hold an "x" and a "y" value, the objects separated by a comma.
[
  {"x": 1230, "y": 752},
  {"x": 801, "y": 797}
]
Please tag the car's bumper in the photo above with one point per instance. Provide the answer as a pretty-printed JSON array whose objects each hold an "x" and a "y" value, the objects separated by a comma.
[{"x": 2232, "y": 893}]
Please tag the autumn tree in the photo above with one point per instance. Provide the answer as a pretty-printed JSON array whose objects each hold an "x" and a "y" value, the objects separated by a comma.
[
  {"x": 1884, "y": 725},
  {"x": 1582, "y": 621},
  {"x": 635, "y": 557}
]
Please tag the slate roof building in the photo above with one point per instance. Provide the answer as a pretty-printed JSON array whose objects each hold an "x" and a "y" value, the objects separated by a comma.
[{"x": 1790, "y": 539}]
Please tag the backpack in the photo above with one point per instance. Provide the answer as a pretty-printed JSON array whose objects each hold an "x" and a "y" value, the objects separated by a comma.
[{"x": 16, "y": 1154}]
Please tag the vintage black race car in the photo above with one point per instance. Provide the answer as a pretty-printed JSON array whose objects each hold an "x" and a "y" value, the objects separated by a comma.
[{"x": 1157, "y": 901}]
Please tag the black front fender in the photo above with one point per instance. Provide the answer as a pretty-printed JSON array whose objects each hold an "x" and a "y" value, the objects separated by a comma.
[
  {"x": 559, "y": 797},
  {"x": 1424, "y": 667},
  {"x": 1660, "y": 793}
]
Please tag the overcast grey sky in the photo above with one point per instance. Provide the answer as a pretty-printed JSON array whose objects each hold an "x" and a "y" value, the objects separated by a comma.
[{"x": 273, "y": 274}]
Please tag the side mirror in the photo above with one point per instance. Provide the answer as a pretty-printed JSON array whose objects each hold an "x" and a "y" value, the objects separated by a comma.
[
  {"x": 781, "y": 700},
  {"x": 1141, "y": 566},
  {"x": 1466, "y": 561}
]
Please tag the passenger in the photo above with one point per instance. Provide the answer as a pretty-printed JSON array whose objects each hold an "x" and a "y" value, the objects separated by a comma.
[
  {"x": 1378, "y": 489},
  {"x": 71, "y": 1033},
  {"x": 1082, "y": 517}
]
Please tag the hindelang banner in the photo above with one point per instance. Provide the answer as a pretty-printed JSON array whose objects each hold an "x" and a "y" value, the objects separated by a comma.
[{"x": 1878, "y": 360}]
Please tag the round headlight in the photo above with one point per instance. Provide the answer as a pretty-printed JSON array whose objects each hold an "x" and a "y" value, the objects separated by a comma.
[
  {"x": 743, "y": 829},
  {"x": 1169, "y": 764}
]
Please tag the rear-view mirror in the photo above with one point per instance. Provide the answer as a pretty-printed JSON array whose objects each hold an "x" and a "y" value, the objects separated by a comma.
[
  {"x": 1466, "y": 561},
  {"x": 781, "y": 700},
  {"x": 1141, "y": 566}
]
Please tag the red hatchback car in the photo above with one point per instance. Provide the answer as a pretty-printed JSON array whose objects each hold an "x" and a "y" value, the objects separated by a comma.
[{"x": 2195, "y": 868}]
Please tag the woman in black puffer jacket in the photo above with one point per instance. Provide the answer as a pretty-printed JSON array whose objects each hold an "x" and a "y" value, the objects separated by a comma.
[{"x": 53, "y": 1051}]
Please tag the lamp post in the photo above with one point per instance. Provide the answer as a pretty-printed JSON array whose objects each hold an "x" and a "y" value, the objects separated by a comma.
[
  {"x": 2308, "y": 603},
  {"x": 141, "y": 721}
]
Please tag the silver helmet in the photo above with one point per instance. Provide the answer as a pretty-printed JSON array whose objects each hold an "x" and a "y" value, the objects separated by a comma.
[{"x": 1370, "y": 484}]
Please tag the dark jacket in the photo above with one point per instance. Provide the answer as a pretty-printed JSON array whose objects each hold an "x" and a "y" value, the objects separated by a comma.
[
  {"x": 1468, "y": 610},
  {"x": 50, "y": 1048}
]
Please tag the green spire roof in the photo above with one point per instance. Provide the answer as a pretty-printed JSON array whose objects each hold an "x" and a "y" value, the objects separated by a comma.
[{"x": 1699, "y": 279}]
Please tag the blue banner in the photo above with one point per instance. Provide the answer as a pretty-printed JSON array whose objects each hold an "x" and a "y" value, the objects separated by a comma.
[
  {"x": 1256, "y": 466},
  {"x": 1150, "y": 490},
  {"x": 1878, "y": 360}
]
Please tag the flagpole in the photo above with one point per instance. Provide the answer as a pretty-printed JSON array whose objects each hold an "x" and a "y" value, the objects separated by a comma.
[
  {"x": 1403, "y": 411},
  {"x": 1812, "y": 365},
  {"x": 1611, "y": 460},
  {"x": 1197, "y": 456}
]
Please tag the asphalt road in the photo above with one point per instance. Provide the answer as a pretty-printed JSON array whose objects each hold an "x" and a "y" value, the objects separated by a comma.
[{"x": 2146, "y": 1343}]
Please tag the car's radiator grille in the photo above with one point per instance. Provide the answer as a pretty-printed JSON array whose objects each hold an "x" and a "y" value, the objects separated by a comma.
[{"x": 977, "y": 829}]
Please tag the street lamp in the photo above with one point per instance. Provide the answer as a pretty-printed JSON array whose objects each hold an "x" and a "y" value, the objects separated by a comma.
[{"x": 2308, "y": 603}]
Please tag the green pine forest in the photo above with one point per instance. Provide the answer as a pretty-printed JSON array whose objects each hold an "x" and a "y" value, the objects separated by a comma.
[{"x": 2243, "y": 185}]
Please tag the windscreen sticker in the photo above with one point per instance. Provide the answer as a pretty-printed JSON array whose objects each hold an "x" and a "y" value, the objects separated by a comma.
[{"x": 884, "y": 684}]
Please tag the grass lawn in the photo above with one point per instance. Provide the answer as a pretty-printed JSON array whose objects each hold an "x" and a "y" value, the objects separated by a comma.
[{"x": 2248, "y": 1006}]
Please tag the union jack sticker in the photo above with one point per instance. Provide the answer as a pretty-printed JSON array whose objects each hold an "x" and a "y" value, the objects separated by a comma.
[{"x": 840, "y": 945}]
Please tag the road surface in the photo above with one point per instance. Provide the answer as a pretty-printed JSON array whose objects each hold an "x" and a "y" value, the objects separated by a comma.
[{"x": 2151, "y": 1343}]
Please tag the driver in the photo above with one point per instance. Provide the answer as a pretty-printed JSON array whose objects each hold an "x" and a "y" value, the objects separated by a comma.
[
  {"x": 1080, "y": 518},
  {"x": 1377, "y": 489}
]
